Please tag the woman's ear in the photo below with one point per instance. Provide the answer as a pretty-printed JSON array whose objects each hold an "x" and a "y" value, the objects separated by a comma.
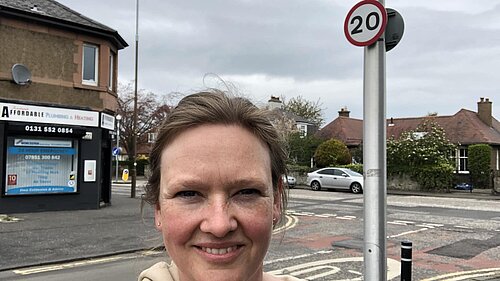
[
  {"x": 158, "y": 217},
  {"x": 278, "y": 194}
]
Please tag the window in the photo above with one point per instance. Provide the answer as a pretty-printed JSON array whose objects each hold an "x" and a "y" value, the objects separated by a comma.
[
  {"x": 326, "y": 172},
  {"x": 152, "y": 137},
  {"x": 461, "y": 160},
  {"x": 302, "y": 130},
  {"x": 111, "y": 71},
  {"x": 90, "y": 64},
  {"x": 41, "y": 166}
]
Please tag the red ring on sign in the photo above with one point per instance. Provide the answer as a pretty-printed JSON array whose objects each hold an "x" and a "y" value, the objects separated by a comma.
[{"x": 379, "y": 33}]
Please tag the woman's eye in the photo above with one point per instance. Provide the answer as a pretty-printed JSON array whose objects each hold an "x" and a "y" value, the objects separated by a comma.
[
  {"x": 249, "y": 191},
  {"x": 186, "y": 194}
]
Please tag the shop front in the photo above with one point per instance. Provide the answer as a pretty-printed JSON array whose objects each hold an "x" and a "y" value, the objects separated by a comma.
[{"x": 54, "y": 158}]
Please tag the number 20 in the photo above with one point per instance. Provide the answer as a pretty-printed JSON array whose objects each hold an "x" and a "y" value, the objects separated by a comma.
[{"x": 359, "y": 19}]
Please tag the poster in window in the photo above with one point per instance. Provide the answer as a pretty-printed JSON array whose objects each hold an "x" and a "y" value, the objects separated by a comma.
[{"x": 41, "y": 166}]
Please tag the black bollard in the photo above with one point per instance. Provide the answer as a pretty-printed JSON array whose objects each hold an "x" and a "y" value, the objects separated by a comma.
[{"x": 406, "y": 247}]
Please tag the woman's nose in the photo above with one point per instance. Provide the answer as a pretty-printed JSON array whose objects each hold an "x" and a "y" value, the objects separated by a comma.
[{"x": 218, "y": 220}]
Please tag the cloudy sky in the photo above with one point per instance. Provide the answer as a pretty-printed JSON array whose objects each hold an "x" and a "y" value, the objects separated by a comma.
[{"x": 448, "y": 58}]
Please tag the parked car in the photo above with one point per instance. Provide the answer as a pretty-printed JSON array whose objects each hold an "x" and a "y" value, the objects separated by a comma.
[
  {"x": 291, "y": 181},
  {"x": 340, "y": 178},
  {"x": 464, "y": 186}
]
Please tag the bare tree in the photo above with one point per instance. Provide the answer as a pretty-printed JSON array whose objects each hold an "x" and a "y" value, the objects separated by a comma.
[
  {"x": 151, "y": 111},
  {"x": 309, "y": 110}
]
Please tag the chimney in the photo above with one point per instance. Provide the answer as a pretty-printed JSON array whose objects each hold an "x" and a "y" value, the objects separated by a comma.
[
  {"x": 484, "y": 111},
  {"x": 343, "y": 112},
  {"x": 274, "y": 103}
]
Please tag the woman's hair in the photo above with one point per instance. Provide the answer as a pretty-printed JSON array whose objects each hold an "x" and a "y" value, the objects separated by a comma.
[{"x": 216, "y": 107}]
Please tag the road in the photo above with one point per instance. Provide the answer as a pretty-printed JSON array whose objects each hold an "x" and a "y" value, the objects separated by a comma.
[{"x": 453, "y": 239}]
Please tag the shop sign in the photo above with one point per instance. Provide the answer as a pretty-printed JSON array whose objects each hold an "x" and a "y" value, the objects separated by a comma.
[
  {"x": 44, "y": 114},
  {"x": 107, "y": 121}
]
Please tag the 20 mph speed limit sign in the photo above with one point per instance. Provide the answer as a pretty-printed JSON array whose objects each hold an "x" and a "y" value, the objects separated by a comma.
[{"x": 365, "y": 23}]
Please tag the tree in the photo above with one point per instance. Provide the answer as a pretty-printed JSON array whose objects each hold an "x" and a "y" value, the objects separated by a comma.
[
  {"x": 309, "y": 110},
  {"x": 425, "y": 154},
  {"x": 479, "y": 165},
  {"x": 426, "y": 145},
  {"x": 151, "y": 111},
  {"x": 332, "y": 152},
  {"x": 301, "y": 148}
]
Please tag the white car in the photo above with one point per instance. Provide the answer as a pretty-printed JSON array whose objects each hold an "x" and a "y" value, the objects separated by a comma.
[
  {"x": 340, "y": 178},
  {"x": 291, "y": 181}
]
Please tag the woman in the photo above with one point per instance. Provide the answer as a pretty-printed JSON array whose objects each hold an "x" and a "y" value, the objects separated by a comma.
[{"x": 216, "y": 186}]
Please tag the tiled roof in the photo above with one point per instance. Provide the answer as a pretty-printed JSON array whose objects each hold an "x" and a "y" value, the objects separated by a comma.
[
  {"x": 464, "y": 127},
  {"x": 50, "y": 10},
  {"x": 348, "y": 130}
]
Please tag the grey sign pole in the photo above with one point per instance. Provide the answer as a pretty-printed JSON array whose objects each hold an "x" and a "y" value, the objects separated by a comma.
[{"x": 374, "y": 161}]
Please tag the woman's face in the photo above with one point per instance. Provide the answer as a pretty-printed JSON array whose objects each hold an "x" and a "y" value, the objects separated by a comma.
[{"x": 216, "y": 203}]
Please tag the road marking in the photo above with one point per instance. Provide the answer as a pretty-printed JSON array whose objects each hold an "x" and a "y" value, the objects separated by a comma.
[
  {"x": 326, "y": 215},
  {"x": 346, "y": 218},
  {"x": 397, "y": 223},
  {"x": 465, "y": 275},
  {"x": 461, "y": 226},
  {"x": 433, "y": 224},
  {"x": 40, "y": 269},
  {"x": 297, "y": 257},
  {"x": 407, "y": 232},
  {"x": 291, "y": 222},
  {"x": 393, "y": 268}
]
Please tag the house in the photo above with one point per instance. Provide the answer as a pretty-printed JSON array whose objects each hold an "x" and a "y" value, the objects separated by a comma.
[
  {"x": 464, "y": 128},
  {"x": 58, "y": 79},
  {"x": 287, "y": 121}
]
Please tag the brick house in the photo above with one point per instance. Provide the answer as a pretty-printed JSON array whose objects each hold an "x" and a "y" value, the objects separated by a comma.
[
  {"x": 464, "y": 128},
  {"x": 58, "y": 79}
]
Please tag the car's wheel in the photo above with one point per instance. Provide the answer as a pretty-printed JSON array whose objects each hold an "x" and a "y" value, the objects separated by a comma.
[
  {"x": 356, "y": 187},
  {"x": 315, "y": 186}
]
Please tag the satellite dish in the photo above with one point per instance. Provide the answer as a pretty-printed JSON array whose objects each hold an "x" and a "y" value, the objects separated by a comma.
[{"x": 21, "y": 74}]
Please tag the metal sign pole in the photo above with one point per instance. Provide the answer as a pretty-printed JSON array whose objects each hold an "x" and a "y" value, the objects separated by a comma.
[{"x": 374, "y": 161}]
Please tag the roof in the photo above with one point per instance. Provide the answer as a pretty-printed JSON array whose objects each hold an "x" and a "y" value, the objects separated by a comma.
[
  {"x": 464, "y": 127},
  {"x": 348, "y": 130},
  {"x": 54, "y": 13}
]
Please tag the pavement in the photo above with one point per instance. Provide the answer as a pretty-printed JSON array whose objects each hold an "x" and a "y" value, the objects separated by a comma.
[{"x": 34, "y": 239}]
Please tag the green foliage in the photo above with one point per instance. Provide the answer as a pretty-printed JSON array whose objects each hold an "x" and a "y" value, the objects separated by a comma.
[
  {"x": 299, "y": 169},
  {"x": 357, "y": 154},
  {"x": 434, "y": 177},
  {"x": 479, "y": 165},
  {"x": 311, "y": 111},
  {"x": 332, "y": 153},
  {"x": 424, "y": 154},
  {"x": 355, "y": 167},
  {"x": 301, "y": 148}
]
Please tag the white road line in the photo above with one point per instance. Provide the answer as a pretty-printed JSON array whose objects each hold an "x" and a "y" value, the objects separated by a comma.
[
  {"x": 346, "y": 218},
  {"x": 407, "y": 232},
  {"x": 434, "y": 224},
  {"x": 465, "y": 275},
  {"x": 297, "y": 257},
  {"x": 396, "y": 222},
  {"x": 461, "y": 226},
  {"x": 41, "y": 269}
]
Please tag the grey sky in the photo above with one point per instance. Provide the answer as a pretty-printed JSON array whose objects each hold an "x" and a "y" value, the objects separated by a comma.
[{"x": 449, "y": 55}]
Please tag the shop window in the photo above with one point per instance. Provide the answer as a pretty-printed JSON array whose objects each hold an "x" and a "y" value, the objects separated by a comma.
[
  {"x": 90, "y": 64},
  {"x": 41, "y": 166}
]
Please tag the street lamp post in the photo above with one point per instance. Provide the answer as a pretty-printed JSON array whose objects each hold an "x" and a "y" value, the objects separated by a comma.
[
  {"x": 134, "y": 131},
  {"x": 118, "y": 118}
]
